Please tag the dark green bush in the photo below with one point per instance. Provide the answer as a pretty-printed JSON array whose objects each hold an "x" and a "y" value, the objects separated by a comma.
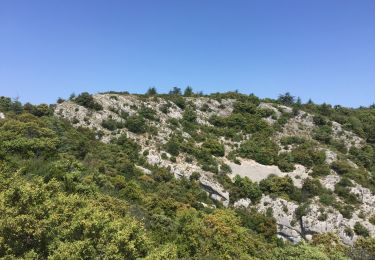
[
  {"x": 245, "y": 188},
  {"x": 360, "y": 230},
  {"x": 136, "y": 124},
  {"x": 261, "y": 149},
  {"x": 87, "y": 100},
  {"x": 214, "y": 147},
  {"x": 279, "y": 186}
]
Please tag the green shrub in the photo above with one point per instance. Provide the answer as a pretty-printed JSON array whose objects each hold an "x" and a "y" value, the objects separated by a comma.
[
  {"x": 320, "y": 170},
  {"x": 285, "y": 162},
  {"x": 87, "y": 100},
  {"x": 245, "y": 188},
  {"x": 323, "y": 134},
  {"x": 111, "y": 124},
  {"x": 189, "y": 115},
  {"x": 214, "y": 147},
  {"x": 311, "y": 188},
  {"x": 341, "y": 167},
  {"x": 147, "y": 113},
  {"x": 372, "y": 219},
  {"x": 288, "y": 140},
  {"x": 327, "y": 199},
  {"x": 307, "y": 155},
  {"x": 136, "y": 124},
  {"x": 279, "y": 186},
  {"x": 360, "y": 230},
  {"x": 261, "y": 149},
  {"x": 173, "y": 146}
]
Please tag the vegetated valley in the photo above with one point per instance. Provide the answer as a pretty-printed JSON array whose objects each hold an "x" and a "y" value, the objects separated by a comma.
[{"x": 186, "y": 176}]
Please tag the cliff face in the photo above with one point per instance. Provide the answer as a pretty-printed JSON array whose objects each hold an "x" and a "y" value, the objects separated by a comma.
[{"x": 217, "y": 138}]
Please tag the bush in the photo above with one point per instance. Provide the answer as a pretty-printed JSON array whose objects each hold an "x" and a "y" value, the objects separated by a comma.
[
  {"x": 320, "y": 120},
  {"x": 87, "y": 100},
  {"x": 214, "y": 147},
  {"x": 327, "y": 199},
  {"x": 308, "y": 156},
  {"x": 244, "y": 107},
  {"x": 372, "y": 220},
  {"x": 288, "y": 140},
  {"x": 173, "y": 146},
  {"x": 178, "y": 100},
  {"x": 360, "y": 230},
  {"x": 323, "y": 134},
  {"x": 311, "y": 188},
  {"x": 136, "y": 124},
  {"x": 285, "y": 162},
  {"x": 111, "y": 124},
  {"x": 341, "y": 167},
  {"x": 245, "y": 188},
  {"x": 320, "y": 170},
  {"x": 147, "y": 113},
  {"x": 189, "y": 115},
  {"x": 280, "y": 186},
  {"x": 261, "y": 149}
]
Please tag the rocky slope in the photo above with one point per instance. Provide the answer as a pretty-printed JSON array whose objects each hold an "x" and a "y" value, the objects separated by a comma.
[{"x": 163, "y": 120}]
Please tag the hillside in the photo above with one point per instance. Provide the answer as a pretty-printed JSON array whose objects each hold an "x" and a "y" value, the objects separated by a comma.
[{"x": 166, "y": 176}]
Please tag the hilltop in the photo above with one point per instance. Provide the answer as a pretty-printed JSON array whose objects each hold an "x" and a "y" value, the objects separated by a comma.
[{"x": 219, "y": 175}]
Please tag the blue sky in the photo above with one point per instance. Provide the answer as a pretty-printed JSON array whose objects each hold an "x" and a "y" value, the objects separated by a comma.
[{"x": 319, "y": 49}]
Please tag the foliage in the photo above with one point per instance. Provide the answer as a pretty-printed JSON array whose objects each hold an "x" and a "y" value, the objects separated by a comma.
[
  {"x": 261, "y": 149},
  {"x": 214, "y": 147},
  {"x": 86, "y": 100},
  {"x": 136, "y": 124},
  {"x": 245, "y": 188},
  {"x": 360, "y": 230}
]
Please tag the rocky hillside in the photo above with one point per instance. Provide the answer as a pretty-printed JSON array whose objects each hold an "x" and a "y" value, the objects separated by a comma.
[{"x": 310, "y": 167}]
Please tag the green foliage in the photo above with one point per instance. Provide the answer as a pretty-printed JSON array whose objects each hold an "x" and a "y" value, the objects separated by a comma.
[
  {"x": 360, "y": 230},
  {"x": 279, "y": 186},
  {"x": 307, "y": 155},
  {"x": 27, "y": 136},
  {"x": 245, "y": 188},
  {"x": 173, "y": 146},
  {"x": 188, "y": 91},
  {"x": 286, "y": 99},
  {"x": 258, "y": 222},
  {"x": 86, "y": 100},
  {"x": 341, "y": 167},
  {"x": 214, "y": 147},
  {"x": 112, "y": 124},
  {"x": 189, "y": 115},
  {"x": 323, "y": 134},
  {"x": 147, "y": 113},
  {"x": 300, "y": 251},
  {"x": 151, "y": 91},
  {"x": 260, "y": 149},
  {"x": 136, "y": 124},
  {"x": 320, "y": 170}
]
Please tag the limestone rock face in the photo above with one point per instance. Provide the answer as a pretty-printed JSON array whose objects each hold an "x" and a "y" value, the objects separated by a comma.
[
  {"x": 2, "y": 116},
  {"x": 242, "y": 203},
  {"x": 318, "y": 218}
]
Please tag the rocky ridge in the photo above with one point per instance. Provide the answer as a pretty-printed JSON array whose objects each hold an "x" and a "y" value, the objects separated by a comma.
[{"x": 318, "y": 218}]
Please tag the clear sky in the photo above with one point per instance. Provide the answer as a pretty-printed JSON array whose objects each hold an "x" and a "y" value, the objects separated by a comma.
[{"x": 319, "y": 49}]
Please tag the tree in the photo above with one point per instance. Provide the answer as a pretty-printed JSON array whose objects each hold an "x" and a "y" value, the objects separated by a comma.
[
  {"x": 175, "y": 91},
  {"x": 286, "y": 99},
  {"x": 151, "y": 91},
  {"x": 188, "y": 91},
  {"x": 86, "y": 100},
  {"x": 136, "y": 124}
]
